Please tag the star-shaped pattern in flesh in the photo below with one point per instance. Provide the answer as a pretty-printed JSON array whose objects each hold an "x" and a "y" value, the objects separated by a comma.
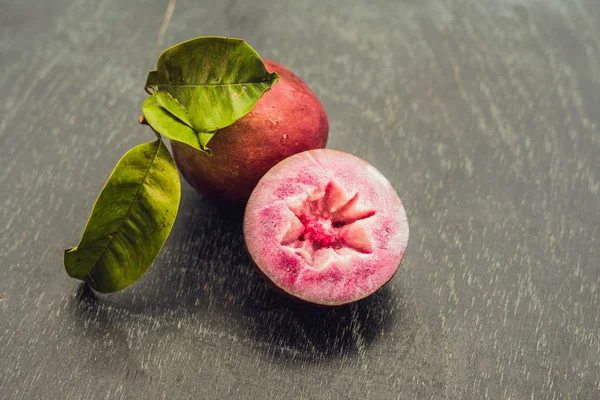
[{"x": 327, "y": 220}]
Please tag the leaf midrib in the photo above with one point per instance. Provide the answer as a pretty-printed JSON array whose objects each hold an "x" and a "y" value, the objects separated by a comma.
[{"x": 137, "y": 193}]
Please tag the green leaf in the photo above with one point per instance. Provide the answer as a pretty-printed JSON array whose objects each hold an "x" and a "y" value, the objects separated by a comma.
[
  {"x": 163, "y": 122},
  {"x": 130, "y": 221},
  {"x": 166, "y": 101},
  {"x": 213, "y": 81}
]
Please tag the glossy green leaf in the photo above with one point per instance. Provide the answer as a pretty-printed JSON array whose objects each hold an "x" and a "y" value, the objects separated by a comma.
[
  {"x": 163, "y": 122},
  {"x": 130, "y": 221},
  {"x": 213, "y": 81},
  {"x": 166, "y": 101}
]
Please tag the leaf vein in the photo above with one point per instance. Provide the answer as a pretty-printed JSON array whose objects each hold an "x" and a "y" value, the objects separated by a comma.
[{"x": 137, "y": 193}]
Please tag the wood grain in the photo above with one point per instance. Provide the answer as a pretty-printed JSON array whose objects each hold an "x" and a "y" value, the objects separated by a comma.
[{"x": 483, "y": 114}]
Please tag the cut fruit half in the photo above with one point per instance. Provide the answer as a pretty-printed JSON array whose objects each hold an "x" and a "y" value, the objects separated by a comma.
[{"x": 325, "y": 227}]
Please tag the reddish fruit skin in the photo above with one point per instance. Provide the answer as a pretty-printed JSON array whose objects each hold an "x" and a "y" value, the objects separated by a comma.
[{"x": 286, "y": 120}]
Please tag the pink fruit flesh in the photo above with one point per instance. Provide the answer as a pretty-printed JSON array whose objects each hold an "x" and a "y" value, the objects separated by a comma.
[
  {"x": 286, "y": 120},
  {"x": 325, "y": 227}
]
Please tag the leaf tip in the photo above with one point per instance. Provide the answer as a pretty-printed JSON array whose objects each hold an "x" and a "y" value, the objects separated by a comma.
[{"x": 273, "y": 77}]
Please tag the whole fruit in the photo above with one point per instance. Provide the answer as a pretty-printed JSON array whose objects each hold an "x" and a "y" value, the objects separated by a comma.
[
  {"x": 287, "y": 120},
  {"x": 325, "y": 227}
]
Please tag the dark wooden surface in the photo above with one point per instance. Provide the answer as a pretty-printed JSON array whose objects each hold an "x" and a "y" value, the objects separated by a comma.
[{"x": 483, "y": 114}]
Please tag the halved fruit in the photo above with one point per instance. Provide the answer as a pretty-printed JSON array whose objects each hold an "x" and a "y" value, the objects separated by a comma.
[{"x": 325, "y": 227}]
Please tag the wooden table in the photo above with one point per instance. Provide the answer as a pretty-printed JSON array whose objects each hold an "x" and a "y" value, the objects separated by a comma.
[{"x": 483, "y": 114}]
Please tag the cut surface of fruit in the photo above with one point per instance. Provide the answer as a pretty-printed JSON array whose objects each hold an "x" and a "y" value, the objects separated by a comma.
[{"x": 325, "y": 227}]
